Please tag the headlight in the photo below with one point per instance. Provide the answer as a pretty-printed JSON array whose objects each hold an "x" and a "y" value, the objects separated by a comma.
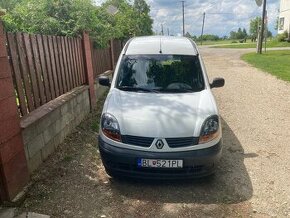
[
  {"x": 209, "y": 129},
  {"x": 110, "y": 127}
]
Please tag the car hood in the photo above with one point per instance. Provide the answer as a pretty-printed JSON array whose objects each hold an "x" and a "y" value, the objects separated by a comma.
[{"x": 161, "y": 115}]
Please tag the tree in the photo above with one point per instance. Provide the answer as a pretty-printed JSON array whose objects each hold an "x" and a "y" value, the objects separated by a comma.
[
  {"x": 72, "y": 17},
  {"x": 144, "y": 20},
  {"x": 8, "y": 4},
  {"x": 245, "y": 34},
  {"x": 233, "y": 35},
  {"x": 240, "y": 34},
  {"x": 131, "y": 20},
  {"x": 254, "y": 27},
  {"x": 210, "y": 37},
  {"x": 57, "y": 17}
]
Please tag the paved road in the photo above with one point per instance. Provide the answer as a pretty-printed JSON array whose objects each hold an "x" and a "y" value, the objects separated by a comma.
[{"x": 253, "y": 176}]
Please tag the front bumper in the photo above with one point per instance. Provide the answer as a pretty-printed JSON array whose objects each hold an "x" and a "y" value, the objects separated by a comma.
[{"x": 123, "y": 162}]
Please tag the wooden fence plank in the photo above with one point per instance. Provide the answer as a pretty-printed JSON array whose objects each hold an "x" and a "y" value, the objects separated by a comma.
[
  {"x": 32, "y": 74},
  {"x": 99, "y": 61},
  {"x": 48, "y": 64},
  {"x": 38, "y": 70},
  {"x": 93, "y": 58},
  {"x": 43, "y": 68},
  {"x": 65, "y": 64},
  {"x": 61, "y": 62},
  {"x": 70, "y": 62},
  {"x": 17, "y": 73},
  {"x": 79, "y": 61},
  {"x": 53, "y": 65},
  {"x": 69, "y": 71},
  {"x": 82, "y": 55},
  {"x": 57, "y": 65},
  {"x": 75, "y": 62},
  {"x": 96, "y": 62},
  {"x": 24, "y": 67}
]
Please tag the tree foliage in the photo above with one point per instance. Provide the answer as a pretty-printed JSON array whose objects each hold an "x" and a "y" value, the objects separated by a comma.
[
  {"x": 254, "y": 26},
  {"x": 240, "y": 34},
  {"x": 72, "y": 17},
  {"x": 205, "y": 37},
  {"x": 8, "y": 4}
]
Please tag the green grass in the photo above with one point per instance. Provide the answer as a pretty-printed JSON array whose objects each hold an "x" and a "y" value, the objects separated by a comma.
[
  {"x": 215, "y": 42},
  {"x": 276, "y": 63},
  {"x": 270, "y": 44}
]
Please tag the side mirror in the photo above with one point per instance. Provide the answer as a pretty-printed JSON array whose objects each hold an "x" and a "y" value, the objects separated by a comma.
[
  {"x": 104, "y": 81},
  {"x": 217, "y": 82}
]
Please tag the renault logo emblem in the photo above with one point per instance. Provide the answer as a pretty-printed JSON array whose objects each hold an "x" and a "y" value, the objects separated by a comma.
[{"x": 159, "y": 144}]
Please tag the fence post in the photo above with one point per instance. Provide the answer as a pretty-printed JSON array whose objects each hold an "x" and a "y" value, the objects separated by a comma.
[
  {"x": 112, "y": 52},
  {"x": 13, "y": 165},
  {"x": 89, "y": 69}
]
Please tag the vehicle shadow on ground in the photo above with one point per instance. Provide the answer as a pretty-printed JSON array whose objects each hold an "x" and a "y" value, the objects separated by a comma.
[{"x": 231, "y": 183}]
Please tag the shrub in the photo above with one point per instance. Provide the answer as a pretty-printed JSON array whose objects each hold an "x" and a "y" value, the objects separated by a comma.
[{"x": 282, "y": 37}]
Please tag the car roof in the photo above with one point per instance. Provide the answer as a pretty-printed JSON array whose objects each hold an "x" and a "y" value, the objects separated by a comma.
[{"x": 165, "y": 44}]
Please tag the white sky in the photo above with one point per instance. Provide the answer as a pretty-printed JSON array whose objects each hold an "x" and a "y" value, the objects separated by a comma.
[{"x": 232, "y": 14}]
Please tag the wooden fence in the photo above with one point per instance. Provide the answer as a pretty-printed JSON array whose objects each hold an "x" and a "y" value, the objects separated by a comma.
[
  {"x": 106, "y": 58},
  {"x": 117, "y": 46},
  {"x": 44, "y": 67},
  {"x": 102, "y": 60}
]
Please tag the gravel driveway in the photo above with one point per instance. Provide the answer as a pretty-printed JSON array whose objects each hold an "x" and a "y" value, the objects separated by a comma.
[{"x": 253, "y": 178}]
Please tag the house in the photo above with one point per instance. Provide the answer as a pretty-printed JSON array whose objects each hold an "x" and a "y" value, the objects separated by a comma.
[{"x": 284, "y": 16}]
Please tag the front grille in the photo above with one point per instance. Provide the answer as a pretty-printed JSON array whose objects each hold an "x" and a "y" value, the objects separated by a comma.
[
  {"x": 181, "y": 142},
  {"x": 137, "y": 140}
]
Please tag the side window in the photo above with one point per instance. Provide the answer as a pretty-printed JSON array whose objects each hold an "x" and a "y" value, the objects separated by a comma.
[{"x": 281, "y": 23}]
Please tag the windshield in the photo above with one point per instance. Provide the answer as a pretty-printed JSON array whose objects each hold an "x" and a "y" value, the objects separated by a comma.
[{"x": 160, "y": 73}]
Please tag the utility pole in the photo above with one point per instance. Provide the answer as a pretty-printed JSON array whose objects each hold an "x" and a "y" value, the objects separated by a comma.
[
  {"x": 162, "y": 33},
  {"x": 266, "y": 31},
  {"x": 262, "y": 27},
  {"x": 183, "y": 17},
  {"x": 202, "y": 27}
]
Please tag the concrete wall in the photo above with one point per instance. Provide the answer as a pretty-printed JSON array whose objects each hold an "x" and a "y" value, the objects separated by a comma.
[{"x": 46, "y": 127}]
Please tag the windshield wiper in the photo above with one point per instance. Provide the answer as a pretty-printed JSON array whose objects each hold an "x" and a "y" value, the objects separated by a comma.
[
  {"x": 176, "y": 90},
  {"x": 136, "y": 89}
]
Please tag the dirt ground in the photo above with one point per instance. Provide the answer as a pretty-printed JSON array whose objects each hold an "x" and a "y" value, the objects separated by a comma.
[{"x": 253, "y": 177}]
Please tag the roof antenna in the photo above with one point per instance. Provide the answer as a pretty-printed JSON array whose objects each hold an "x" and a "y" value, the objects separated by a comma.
[{"x": 160, "y": 51}]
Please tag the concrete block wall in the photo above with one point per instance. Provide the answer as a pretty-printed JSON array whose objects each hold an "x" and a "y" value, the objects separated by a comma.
[{"x": 46, "y": 127}]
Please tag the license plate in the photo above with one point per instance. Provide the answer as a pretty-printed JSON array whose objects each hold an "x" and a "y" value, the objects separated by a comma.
[{"x": 160, "y": 163}]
